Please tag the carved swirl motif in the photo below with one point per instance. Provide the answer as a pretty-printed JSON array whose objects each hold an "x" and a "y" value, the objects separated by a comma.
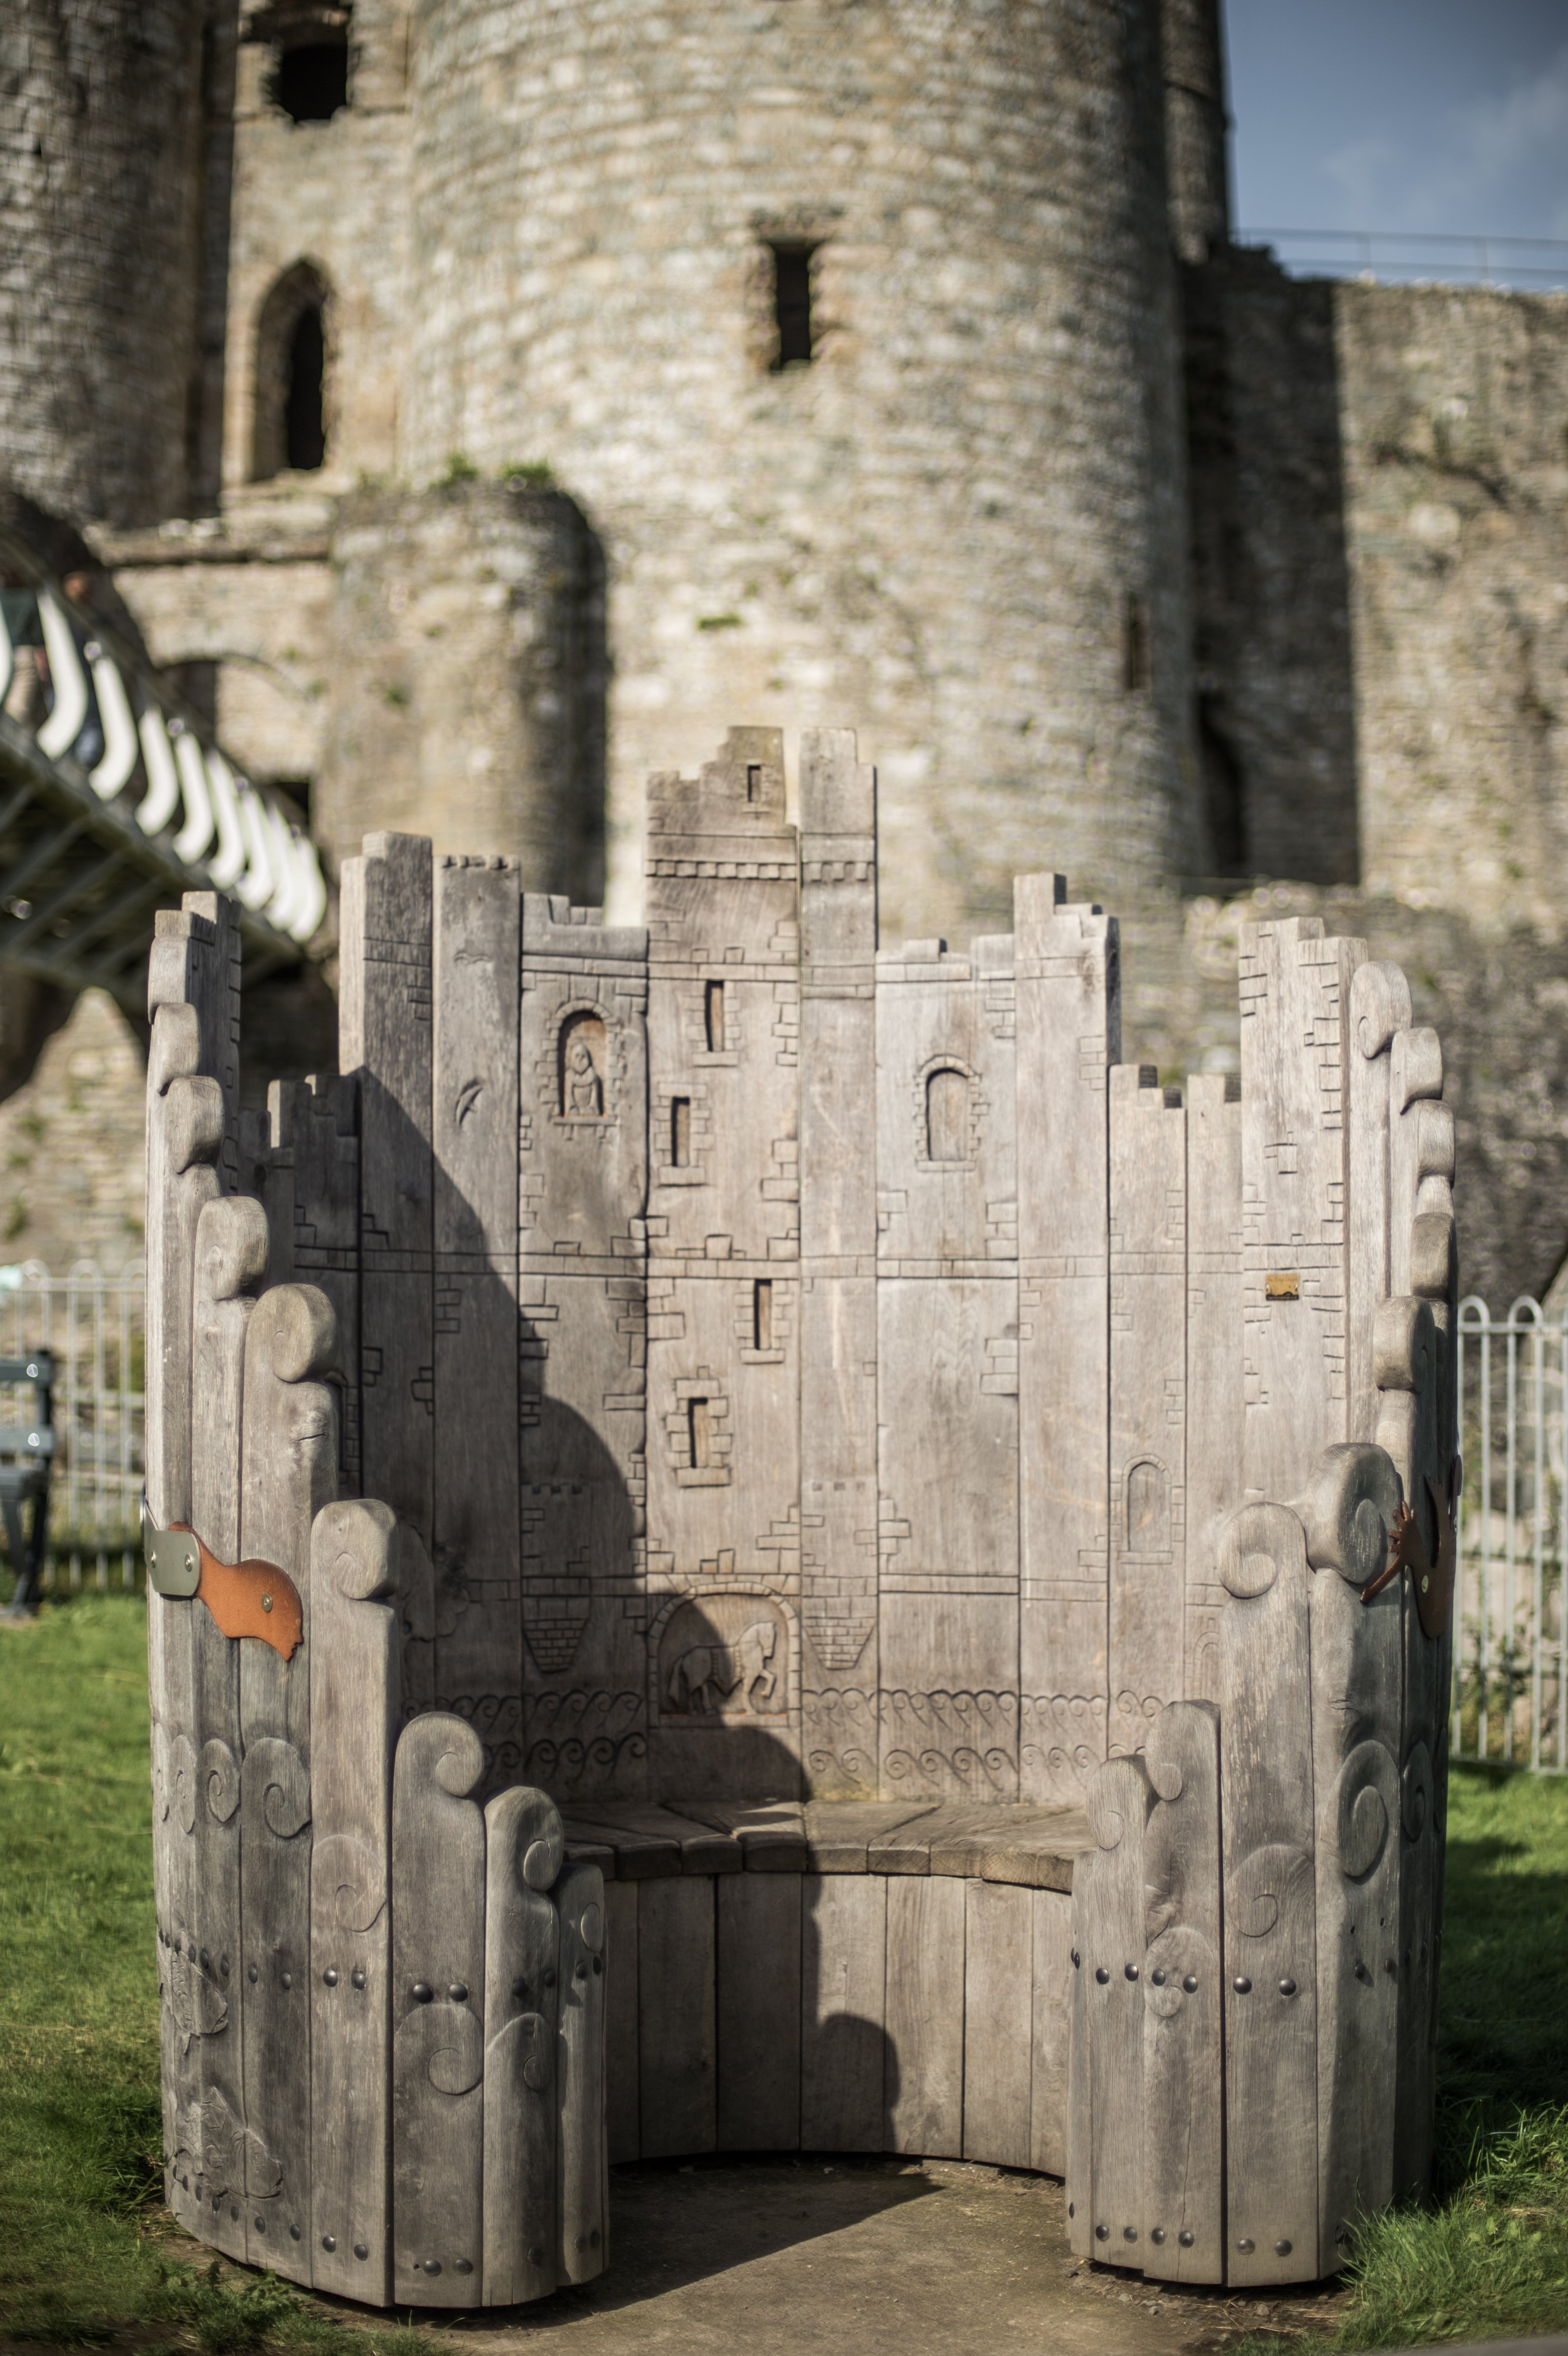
[
  {"x": 1264, "y": 1885},
  {"x": 964, "y": 1744},
  {"x": 180, "y": 1785},
  {"x": 220, "y": 1774},
  {"x": 1117, "y": 1801},
  {"x": 274, "y": 1770},
  {"x": 1366, "y": 1803},
  {"x": 1062, "y": 1740},
  {"x": 356, "y": 1877},
  {"x": 1418, "y": 1792},
  {"x": 445, "y": 2040}
]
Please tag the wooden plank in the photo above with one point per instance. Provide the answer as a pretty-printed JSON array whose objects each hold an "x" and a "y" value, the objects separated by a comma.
[
  {"x": 1271, "y": 1972},
  {"x": 838, "y": 1831},
  {"x": 676, "y": 2025},
  {"x": 772, "y": 1833},
  {"x": 998, "y": 2023},
  {"x": 1214, "y": 1355},
  {"x": 1183, "y": 2210},
  {"x": 230, "y": 1260},
  {"x": 1149, "y": 1400},
  {"x": 317, "y": 1123},
  {"x": 843, "y": 2042},
  {"x": 384, "y": 1039},
  {"x": 1356, "y": 1678},
  {"x": 837, "y": 1245},
  {"x": 274, "y": 1895},
  {"x": 1380, "y": 1008},
  {"x": 438, "y": 2001},
  {"x": 581, "y": 2167},
  {"x": 698, "y": 1847},
  {"x": 1109, "y": 1927},
  {"x": 636, "y": 1856},
  {"x": 1080, "y": 2122},
  {"x": 289, "y": 1471},
  {"x": 621, "y": 2072},
  {"x": 353, "y": 1666},
  {"x": 267, "y": 1169},
  {"x": 922, "y": 2092},
  {"x": 1068, "y": 964},
  {"x": 475, "y": 970},
  {"x": 1052, "y": 1992},
  {"x": 758, "y": 1982},
  {"x": 1034, "y": 1846},
  {"x": 1294, "y": 992},
  {"x": 523, "y": 1857}
]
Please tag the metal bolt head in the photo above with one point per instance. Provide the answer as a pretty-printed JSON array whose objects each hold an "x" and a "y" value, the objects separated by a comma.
[
  {"x": 549, "y": 1977},
  {"x": 582, "y": 1971},
  {"x": 1246, "y": 2245},
  {"x": 1158, "y": 1978},
  {"x": 206, "y": 1961},
  {"x": 288, "y": 1979},
  {"x": 266, "y": 1602},
  {"x": 329, "y": 1976},
  {"x": 582, "y": 2241},
  {"x": 234, "y": 2210},
  {"x": 598, "y": 1966},
  {"x": 1158, "y": 2236},
  {"x": 463, "y": 2265},
  {"x": 536, "y": 2255},
  {"x": 1191, "y": 1985},
  {"x": 1282, "y": 2249},
  {"x": 519, "y": 1990},
  {"x": 362, "y": 2250},
  {"x": 1102, "y": 2232},
  {"x": 329, "y": 2241},
  {"x": 252, "y": 1975},
  {"x": 1129, "y": 2233},
  {"x": 356, "y": 1976},
  {"x": 293, "y": 2232},
  {"x": 432, "y": 2266},
  {"x": 259, "y": 2223},
  {"x": 1242, "y": 1985},
  {"x": 422, "y": 1991},
  {"x": 1076, "y": 1959},
  {"x": 1071, "y": 2210},
  {"x": 1101, "y": 1974},
  {"x": 1131, "y": 1970},
  {"x": 458, "y": 1991},
  {"x": 1288, "y": 1987},
  {"x": 223, "y": 1965},
  {"x": 1185, "y": 2237}
]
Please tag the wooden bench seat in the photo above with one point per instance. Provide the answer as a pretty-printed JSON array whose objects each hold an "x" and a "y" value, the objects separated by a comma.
[{"x": 841, "y": 1975}]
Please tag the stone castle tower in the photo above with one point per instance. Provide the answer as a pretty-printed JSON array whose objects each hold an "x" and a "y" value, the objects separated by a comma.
[{"x": 487, "y": 403}]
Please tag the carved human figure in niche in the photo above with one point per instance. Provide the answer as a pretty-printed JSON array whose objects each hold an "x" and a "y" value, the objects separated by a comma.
[{"x": 581, "y": 1067}]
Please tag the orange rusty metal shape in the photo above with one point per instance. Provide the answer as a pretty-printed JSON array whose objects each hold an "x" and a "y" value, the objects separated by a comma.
[{"x": 249, "y": 1599}]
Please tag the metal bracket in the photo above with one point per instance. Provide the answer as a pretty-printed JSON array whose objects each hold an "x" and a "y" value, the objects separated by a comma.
[{"x": 174, "y": 1558}]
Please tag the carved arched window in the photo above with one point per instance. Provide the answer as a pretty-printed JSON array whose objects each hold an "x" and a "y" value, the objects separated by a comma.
[
  {"x": 1148, "y": 1509},
  {"x": 293, "y": 374},
  {"x": 946, "y": 1115},
  {"x": 580, "y": 1067}
]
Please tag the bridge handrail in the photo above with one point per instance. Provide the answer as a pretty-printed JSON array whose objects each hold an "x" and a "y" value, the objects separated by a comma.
[{"x": 246, "y": 838}]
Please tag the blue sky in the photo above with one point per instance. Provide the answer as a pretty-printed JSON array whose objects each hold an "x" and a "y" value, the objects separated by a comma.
[{"x": 1430, "y": 116}]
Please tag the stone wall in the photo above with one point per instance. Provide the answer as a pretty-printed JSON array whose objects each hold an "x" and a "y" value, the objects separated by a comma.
[{"x": 102, "y": 124}]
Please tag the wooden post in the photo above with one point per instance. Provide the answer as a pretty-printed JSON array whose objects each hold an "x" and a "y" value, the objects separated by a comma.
[
  {"x": 1380, "y": 1010},
  {"x": 1105, "y": 2132},
  {"x": 1214, "y": 1352},
  {"x": 353, "y": 1664},
  {"x": 582, "y": 2165},
  {"x": 438, "y": 2015},
  {"x": 523, "y": 1850},
  {"x": 926, "y": 2021},
  {"x": 843, "y": 2075},
  {"x": 1183, "y": 2216},
  {"x": 1069, "y": 1033},
  {"x": 1266, "y": 1811}
]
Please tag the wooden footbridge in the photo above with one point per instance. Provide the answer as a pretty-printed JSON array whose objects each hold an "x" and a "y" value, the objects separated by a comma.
[{"x": 115, "y": 799}]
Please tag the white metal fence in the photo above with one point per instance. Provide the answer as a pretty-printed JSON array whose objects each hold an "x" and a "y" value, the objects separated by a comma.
[
  {"x": 1510, "y": 1628},
  {"x": 96, "y": 1326}
]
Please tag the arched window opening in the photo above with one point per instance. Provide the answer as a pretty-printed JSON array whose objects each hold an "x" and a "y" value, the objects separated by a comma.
[
  {"x": 304, "y": 416},
  {"x": 312, "y": 80},
  {"x": 1148, "y": 1510},
  {"x": 947, "y": 1115},
  {"x": 580, "y": 1069},
  {"x": 794, "y": 337},
  {"x": 293, "y": 374}
]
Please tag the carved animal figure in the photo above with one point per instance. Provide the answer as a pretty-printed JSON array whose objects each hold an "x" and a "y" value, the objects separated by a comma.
[{"x": 707, "y": 1676}]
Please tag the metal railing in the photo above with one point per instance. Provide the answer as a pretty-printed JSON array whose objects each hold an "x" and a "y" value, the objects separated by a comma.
[
  {"x": 1510, "y": 1627},
  {"x": 1398, "y": 257},
  {"x": 96, "y": 1327},
  {"x": 114, "y": 796}
]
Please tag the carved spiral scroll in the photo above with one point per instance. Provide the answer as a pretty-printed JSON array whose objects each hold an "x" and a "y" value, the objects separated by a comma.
[
  {"x": 278, "y": 1770},
  {"x": 1417, "y": 1794},
  {"x": 1351, "y": 1496},
  {"x": 220, "y": 1774},
  {"x": 444, "y": 1749},
  {"x": 1255, "y": 1545},
  {"x": 1262, "y": 1886},
  {"x": 356, "y": 1878},
  {"x": 1379, "y": 1005},
  {"x": 447, "y": 2043},
  {"x": 1366, "y": 1807},
  {"x": 1118, "y": 1801},
  {"x": 180, "y": 1774}
]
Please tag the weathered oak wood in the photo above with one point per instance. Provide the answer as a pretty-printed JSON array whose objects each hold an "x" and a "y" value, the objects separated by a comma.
[
  {"x": 698, "y": 1847},
  {"x": 923, "y": 2065},
  {"x": 771, "y": 1833},
  {"x": 1105, "y": 2159},
  {"x": 289, "y": 1473},
  {"x": 758, "y": 1987},
  {"x": 622, "y": 2091},
  {"x": 353, "y": 1664},
  {"x": 523, "y": 1848},
  {"x": 274, "y": 1905},
  {"x": 838, "y": 1831},
  {"x": 1380, "y": 1008},
  {"x": 676, "y": 2016},
  {"x": 1267, "y": 1807},
  {"x": 438, "y": 2009},
  {"x": 231, "y": 1259},
  {"x": 582, "y": 2164},
  {"x": 843, "y": 2042},
  {"x": 1215, "y": 1389},
  {"x": 1182, "y": 2223},
  {"x": 1050, "y": 2085},
  {"x": 998, "y": 2021}
]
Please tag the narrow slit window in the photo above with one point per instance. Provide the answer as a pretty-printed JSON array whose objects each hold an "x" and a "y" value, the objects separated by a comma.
[
  {"x": 713, "y": 1017},
  {"x": 763, "y": 1314},
  {"x": 700, "y": 1434},
  {"x": 305, "y": 420},
  {"x": 681, "y": 1132},
  {"x": 313, "y": 81},
  {"x": 792, "y": 304},
  {"x": 753, "y": 781},
  {"x": 1137, "y": 676}
]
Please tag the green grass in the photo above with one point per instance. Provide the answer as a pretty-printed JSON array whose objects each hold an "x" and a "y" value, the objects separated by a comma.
[{"x": 87, "y": 2252}]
